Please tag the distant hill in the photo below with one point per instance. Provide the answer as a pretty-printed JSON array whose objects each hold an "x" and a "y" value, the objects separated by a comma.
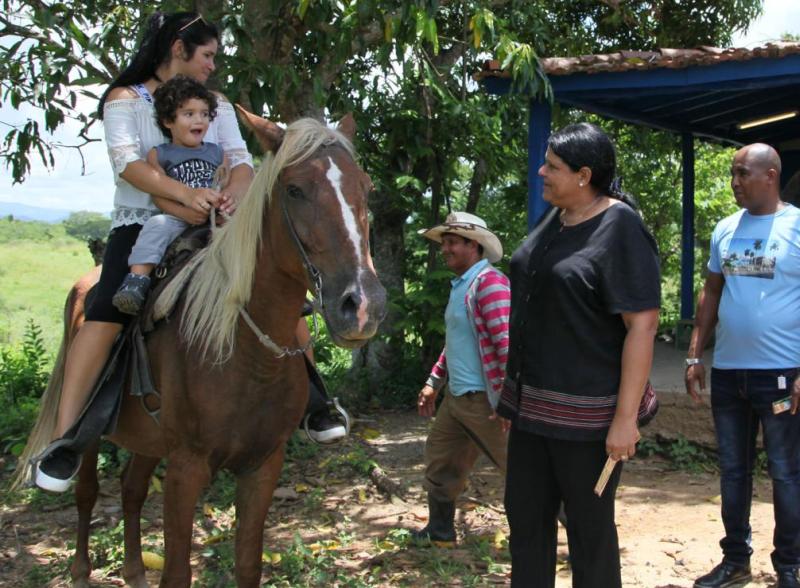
[{"x": 25, "y": 212}]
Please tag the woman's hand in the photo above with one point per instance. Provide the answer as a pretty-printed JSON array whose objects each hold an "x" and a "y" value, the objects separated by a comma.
[
  {"x": 622, "y": 438},
  {"x": 236, "y": 188},
  {"x": 228, "y": 203},
  {"x": 202, "y": 199}
]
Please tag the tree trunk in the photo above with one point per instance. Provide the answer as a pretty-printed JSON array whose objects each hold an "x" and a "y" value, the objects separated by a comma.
[
  {"x": 476, "y": 184},
  {"x": 381, "y": 360}
]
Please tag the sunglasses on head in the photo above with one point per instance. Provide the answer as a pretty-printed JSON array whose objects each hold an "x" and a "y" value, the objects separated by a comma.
[{"x": 191, "y": 22}]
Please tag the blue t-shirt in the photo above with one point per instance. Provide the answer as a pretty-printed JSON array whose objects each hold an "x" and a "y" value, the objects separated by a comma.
[
  {"x": 193, "y": 166},
  {"x": 464, "y": 367},
  {"x": 759, "y": 313}
]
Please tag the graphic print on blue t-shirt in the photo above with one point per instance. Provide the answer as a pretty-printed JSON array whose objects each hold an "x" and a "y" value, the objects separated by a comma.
[
  {"x": 750, "y": 258},
  {"x": 195, "y": 173}
]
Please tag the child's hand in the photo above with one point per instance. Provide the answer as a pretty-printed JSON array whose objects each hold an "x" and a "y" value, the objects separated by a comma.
[{"x": 203, "y": 199}]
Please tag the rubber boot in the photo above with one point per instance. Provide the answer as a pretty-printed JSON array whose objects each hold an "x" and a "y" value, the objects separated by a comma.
[{"x": 441, "y": 522}]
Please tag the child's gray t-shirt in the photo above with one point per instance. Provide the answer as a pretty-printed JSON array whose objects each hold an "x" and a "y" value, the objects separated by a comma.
[{"x": 193, "y": 166}]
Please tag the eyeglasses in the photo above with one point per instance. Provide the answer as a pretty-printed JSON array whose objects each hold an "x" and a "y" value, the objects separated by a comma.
[{"x": 191, "y": 22}]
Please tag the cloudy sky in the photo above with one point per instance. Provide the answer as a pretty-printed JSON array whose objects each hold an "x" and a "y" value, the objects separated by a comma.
[{"x": 64, "y": 187}]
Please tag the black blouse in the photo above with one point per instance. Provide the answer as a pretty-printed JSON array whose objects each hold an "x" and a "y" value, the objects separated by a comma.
[{"x": 569, "y": 286}]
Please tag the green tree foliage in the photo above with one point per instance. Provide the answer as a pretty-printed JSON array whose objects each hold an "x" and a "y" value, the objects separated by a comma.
[
  {"x": 87, "y": 226},
  {"x": 428, "y": 135}
]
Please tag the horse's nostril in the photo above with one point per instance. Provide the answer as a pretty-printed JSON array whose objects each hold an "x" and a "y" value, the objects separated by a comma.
[{"x": 350, "y": 304}]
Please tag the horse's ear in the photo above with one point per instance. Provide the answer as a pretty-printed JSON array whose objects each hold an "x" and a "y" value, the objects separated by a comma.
[
  {"x": 269, "y": 134},
  {"x": 347, "y": 126}
]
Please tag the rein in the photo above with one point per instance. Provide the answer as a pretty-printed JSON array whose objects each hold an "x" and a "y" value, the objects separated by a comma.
[{"x": 315, "y": 278}]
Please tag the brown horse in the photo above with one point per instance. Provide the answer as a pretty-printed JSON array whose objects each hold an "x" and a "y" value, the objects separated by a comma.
[{"x": 226, "y": 401}]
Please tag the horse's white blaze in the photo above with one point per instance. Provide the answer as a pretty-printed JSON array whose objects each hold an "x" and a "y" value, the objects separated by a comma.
[{"x": 334, "y": 175}]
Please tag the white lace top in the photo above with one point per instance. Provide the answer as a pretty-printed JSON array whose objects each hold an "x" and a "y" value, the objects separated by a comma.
[{"x": 131, "y": 131}]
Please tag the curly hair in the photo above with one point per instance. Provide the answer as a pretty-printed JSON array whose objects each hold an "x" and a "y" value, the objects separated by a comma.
[{"x": 173, "y": 93}]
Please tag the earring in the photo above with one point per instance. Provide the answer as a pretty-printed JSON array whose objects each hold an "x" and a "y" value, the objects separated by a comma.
[{"x": 580, "y": 184}]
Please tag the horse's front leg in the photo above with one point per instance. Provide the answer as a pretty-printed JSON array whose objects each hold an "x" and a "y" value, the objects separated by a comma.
[
  {"x": 85, "y": 497},
  {"x": 187, "y": 476},
  {"x": 253, "y": 498},
  {"x": 135, "y": 483}
]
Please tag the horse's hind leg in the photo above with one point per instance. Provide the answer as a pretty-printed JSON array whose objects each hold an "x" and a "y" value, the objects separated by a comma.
[
  {"x": 135, "y": 482},
  {"x": 253, "y": 498},
  {"x": 85, "y": 497}
]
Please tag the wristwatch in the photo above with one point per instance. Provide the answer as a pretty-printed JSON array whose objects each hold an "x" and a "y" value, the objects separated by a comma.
[{"x": 690, "y": 361}]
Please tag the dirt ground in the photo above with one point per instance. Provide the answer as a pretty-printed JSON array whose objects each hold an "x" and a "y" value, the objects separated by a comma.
[{"x": 668, "y": 521}]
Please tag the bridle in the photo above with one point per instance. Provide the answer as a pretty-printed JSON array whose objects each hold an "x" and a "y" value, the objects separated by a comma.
[{"x": 314, "y": 278}]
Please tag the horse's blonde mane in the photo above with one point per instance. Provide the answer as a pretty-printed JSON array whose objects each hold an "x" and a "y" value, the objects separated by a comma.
[{"x": 223, "y": 278}]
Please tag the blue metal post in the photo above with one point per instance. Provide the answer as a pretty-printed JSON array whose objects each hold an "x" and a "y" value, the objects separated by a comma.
[
  {"x": 538, "y": 132},
  {"x": 687, "y": 233}
]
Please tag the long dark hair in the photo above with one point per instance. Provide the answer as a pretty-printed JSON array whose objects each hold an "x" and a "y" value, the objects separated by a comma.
[
  {"x": 160, "y": 32},
  {"x": 586, "y": 145}
]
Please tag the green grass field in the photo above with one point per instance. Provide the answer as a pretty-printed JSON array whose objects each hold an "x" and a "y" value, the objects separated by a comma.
[{"x": 38, "y": 265}]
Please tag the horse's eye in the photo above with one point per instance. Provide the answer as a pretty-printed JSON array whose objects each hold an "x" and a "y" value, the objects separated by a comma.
[{"x": 294, "y": 192}]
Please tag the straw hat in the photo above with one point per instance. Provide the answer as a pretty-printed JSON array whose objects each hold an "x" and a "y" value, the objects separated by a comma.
[{"x": 471, "y": 227}]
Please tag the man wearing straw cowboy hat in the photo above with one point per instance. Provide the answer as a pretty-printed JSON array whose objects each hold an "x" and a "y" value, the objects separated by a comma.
[{"x": 472, "y": 364}]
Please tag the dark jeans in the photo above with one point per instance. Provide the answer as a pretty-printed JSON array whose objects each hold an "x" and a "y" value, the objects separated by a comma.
[
  {"x": 543, "y": 472},
  {"x": 740, "y": 400}
]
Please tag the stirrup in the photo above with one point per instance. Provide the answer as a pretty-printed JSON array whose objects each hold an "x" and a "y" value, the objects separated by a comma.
[{"x": 343, "y": 416}]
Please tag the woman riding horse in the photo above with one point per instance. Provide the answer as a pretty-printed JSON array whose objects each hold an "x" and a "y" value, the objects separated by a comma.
[{"x": 176, "y": 44}]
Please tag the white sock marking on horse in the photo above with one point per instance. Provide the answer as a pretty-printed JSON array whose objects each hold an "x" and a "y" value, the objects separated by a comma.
[{"x": 334, "y": 175}]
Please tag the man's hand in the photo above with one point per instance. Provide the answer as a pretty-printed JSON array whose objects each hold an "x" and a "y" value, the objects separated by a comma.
[
  {"x": 426, "y": 402},
  {"x": 505, "y": 424},
  {"x": 695, "y": 380},
  {"x": 795, "y": 395}
]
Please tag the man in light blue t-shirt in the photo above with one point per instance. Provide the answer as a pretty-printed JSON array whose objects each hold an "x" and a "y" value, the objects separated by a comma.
[{"x": 752, "y": 295}]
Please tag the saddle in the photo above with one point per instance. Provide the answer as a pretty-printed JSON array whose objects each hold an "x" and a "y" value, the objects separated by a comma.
[{"x": 128, "y": 364}]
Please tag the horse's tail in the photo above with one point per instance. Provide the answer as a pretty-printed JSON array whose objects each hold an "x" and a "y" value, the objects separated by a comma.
[{"x": 45, "y": 425}]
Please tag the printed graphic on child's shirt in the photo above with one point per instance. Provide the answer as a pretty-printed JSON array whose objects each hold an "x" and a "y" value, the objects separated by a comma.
[
  {"x": 754, "y": 258},
  {"x": 195, "y": 173}
]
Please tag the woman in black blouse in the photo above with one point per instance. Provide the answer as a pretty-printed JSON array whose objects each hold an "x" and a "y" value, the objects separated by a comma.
[{"x": 585, "y": 292}]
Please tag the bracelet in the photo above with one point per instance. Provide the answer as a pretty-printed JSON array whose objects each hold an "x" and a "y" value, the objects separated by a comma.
[{"x": 690, "y": 361}]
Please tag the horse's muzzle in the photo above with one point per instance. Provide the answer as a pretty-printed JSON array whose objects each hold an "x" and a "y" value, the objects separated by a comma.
[{"x": 355, "y": 311}]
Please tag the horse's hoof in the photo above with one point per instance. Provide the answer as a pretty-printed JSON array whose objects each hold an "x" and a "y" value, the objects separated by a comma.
[
  {"x": 82, "y": 583},
  {"x": 138, "y": 582}
]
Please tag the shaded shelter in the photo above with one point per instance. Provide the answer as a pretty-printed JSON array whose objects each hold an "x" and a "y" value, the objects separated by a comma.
[{"x": 732, "y": 96}]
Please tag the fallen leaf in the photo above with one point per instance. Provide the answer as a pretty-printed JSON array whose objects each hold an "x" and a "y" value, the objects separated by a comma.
[
  {"x": 300, "y": 487},
  {"x": 271, "y": 558},
  {"x": 362, "y": 495},
  {"x": 715, "y": 499},
  {"x": 155, "y": 484},
  {"x": 208, "y": 510},
  {"x": 500, "y": 539},
  {"x": 285, "y": 493},
  {"x": 212, "y": 539},
  {"x": 152, "y": 561},
  {"x": 370, "y": 434}
]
